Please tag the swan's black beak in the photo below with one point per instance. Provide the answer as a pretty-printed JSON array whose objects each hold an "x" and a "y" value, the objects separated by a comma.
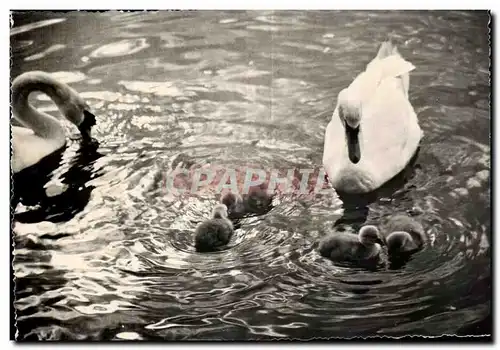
[
  {"x": 353, "y": 143},
  {"x": 86, "y": 126}
]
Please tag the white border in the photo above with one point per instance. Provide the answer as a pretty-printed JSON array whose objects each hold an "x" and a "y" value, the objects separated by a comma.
[
  {"x": 256, "y": 4},
  {"x": 186, "y": 4}
]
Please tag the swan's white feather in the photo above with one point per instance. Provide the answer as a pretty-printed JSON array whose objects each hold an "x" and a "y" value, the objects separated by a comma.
[
  {"x": 28, "y": 148},
  {"x": 40, "y": 134}
]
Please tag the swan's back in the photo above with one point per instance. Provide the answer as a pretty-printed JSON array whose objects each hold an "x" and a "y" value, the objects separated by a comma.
[
  {"x": 387, "y": 64},
  {"x": 389, "y": 123},
  {"x": 390, "y": 133}
]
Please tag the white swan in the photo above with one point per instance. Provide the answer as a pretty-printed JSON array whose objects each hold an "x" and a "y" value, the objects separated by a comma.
[
  {"x": 41, "y": 134},
  {"x": 374, "y": 131}
]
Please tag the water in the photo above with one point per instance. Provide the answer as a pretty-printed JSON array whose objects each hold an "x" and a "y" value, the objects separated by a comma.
[{"x": 110, "y": 254}]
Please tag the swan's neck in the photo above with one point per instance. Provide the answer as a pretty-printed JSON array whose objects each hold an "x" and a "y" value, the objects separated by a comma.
[{"x": 42, "y": 124}]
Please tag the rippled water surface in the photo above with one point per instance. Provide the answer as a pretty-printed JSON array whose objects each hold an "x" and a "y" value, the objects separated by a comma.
[{"x": 105, "y": 252}]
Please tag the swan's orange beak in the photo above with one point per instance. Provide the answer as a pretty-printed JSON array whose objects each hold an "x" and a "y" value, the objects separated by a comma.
[{"x": 86, "y": 125}]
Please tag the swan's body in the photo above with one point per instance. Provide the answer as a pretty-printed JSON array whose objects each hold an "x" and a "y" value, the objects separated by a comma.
[
  {"x": 215, "y": 232},
  {"x": 41, "y": 134},
  {"x": 364, "y": 247},
  {"x": 374, "y": 131},
  {"x": 403, "y": 234}
]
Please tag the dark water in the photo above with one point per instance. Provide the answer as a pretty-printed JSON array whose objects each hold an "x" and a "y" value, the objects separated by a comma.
[{"x": 110, "y": 256}]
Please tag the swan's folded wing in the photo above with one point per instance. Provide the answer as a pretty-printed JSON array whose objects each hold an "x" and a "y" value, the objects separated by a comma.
[
  {"x": 28, "y": 148},
  {"x": 387, "y": 123},
  {"x": 395, "y": 66},
  {"x": 390, "y": 67},
  {"x": 364, "y": 85}
]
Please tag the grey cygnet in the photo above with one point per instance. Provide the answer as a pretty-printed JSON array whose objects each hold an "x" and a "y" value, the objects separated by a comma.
[
  {"x": 215, "y": 232},
  {"x": 364, "y": 247}
]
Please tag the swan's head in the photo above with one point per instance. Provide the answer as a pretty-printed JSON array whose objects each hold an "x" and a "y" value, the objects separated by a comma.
[
  {"x": 77, "y": 111},
  {"x": 349, "y": 110},
  {"x": 369, "y": 235},
  {"x": 219, "y": 211},
  {"x": 86, "y": 125}
]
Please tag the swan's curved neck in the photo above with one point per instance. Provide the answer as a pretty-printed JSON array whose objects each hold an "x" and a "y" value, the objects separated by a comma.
[{"x": 42, "y": 124}]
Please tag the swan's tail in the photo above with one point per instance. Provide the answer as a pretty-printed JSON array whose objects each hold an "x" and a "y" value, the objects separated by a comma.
[
  {"x": 387, "y": 48},
  {"x": 390, "y": 64}
]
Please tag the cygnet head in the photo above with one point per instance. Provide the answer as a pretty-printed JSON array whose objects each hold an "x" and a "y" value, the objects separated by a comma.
[
  {"x": 369, "y": 235},
  {"x": 219, "y": 212},
  {"x": 400, "y": 242},
  {"x": 349, "y": 110},
  {"x": 233, "y": 202}
]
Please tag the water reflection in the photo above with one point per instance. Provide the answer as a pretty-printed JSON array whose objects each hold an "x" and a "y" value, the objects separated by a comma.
[
  {"x": 35, "y": 25},
  {"x": 56, "y": 195},
  {"x": 356, "y": 207}
]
